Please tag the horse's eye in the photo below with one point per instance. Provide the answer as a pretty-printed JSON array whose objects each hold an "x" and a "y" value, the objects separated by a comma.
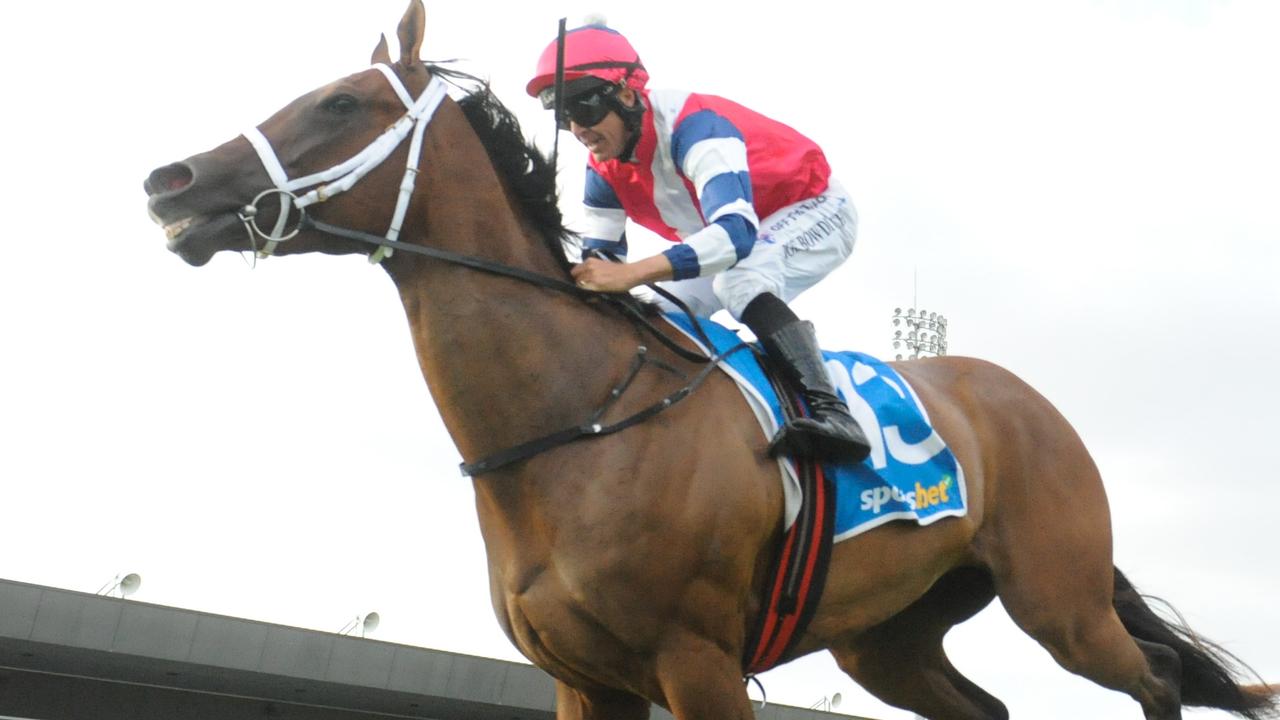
[{"x": 341, "y": 104}]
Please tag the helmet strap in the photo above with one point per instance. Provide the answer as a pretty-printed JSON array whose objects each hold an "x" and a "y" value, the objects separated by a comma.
[{"x": 632, "y": 121}]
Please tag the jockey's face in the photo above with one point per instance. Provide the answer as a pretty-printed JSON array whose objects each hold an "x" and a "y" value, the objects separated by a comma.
[{"x": 608, "y": 138}]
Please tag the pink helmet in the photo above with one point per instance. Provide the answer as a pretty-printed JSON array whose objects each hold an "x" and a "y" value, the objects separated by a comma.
[{"x": 590, "y": 51}]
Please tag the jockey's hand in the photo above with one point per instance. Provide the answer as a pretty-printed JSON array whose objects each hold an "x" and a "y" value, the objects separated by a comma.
[{"x": 604, "y": 276}]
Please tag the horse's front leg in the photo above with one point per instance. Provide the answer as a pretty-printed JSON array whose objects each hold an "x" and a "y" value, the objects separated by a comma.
[
  {"x": 598, "y": 704},
  {"x": 698, "y": 680},
  {"x": 701, "y": 681}
]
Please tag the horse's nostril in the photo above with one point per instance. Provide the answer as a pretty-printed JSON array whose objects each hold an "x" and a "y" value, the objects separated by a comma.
[{"x": 167, "y": 179}]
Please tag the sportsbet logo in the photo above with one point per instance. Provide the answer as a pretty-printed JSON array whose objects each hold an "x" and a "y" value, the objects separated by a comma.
[{"x": 919, "y": 499}]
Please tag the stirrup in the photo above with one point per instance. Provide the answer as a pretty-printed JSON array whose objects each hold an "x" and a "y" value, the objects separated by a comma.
[{"x": 813, "y": 438}]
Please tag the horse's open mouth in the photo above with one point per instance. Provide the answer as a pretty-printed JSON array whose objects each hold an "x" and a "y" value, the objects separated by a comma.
[
  {"x": 173, "y": 230},
  {"x": 196, "y": 238}
]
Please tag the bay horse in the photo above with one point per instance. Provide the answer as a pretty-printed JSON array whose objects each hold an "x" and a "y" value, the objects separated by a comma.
[{"x": 630, "y": 566}]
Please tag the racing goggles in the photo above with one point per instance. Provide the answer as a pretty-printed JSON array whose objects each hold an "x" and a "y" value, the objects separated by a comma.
[{"x": 587, "y": 109}]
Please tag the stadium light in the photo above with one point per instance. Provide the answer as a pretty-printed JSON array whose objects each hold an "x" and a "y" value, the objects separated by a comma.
[
  {"x": 126, "y": 584},
  {"x": 919, "y": 333},
  {"x": 366, "y": 623},
  {"x": 827, "y": 704}
]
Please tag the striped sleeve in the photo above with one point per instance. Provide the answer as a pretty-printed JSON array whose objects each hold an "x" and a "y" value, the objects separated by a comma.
[
  {"x": 605, "y": 222},
  {"x": 711, "y": 153}
]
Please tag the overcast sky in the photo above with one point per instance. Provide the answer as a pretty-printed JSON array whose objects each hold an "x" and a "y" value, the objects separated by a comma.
[{"x": 1088, "y": 190}]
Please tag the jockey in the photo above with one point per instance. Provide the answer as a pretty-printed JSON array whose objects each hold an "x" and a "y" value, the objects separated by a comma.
[{"x": 749, "y": 201}]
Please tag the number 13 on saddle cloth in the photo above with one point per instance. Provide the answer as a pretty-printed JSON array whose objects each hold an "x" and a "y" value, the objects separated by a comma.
[{"x": 910, "y": 473}]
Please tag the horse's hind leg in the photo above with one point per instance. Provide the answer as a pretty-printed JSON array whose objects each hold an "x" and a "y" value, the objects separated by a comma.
[
  {"x": 901, "y": 661},
  {"x": 1087, "y": 638},
  {"x": 1054, "y": 575}
]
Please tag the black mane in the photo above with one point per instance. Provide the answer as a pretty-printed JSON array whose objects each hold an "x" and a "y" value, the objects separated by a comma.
[{"x": 530, "y": 177}]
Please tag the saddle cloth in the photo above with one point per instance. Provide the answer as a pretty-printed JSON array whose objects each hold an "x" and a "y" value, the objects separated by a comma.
[{"x": 910, "y": 473}]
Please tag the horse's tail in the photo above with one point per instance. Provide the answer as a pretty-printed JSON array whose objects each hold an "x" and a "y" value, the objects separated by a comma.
[
  {"x": 1268, "y": 691},
  {"x": 1208, "y": 671}
]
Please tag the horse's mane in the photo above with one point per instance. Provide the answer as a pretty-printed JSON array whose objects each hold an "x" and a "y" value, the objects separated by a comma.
[{"x": 530, "y": 177}]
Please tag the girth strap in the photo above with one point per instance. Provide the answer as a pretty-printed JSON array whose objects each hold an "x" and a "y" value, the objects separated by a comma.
[{"x": 799, "y": 570}]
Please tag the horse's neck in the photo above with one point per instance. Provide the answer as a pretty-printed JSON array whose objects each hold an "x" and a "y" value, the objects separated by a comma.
[{"x": 505, "y": 360}]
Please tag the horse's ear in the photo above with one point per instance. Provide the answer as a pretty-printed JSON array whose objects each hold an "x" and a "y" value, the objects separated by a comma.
[
  {"x": 381, "y": 55},
  {"x": 410, "y": 33}
]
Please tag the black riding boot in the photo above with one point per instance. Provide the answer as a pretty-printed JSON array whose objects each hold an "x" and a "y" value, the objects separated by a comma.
[{"x": 831, "y": 434}]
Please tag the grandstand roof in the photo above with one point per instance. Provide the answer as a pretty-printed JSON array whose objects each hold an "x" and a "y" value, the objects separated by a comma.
[{"x": 65, "y": 653}]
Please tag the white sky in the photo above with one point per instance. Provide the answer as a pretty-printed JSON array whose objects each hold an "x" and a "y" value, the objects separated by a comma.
[{"x": 1088, "y": 190}]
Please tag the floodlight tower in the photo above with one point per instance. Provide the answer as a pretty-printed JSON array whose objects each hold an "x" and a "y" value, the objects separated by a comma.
[{"x": 919, "y": 333}]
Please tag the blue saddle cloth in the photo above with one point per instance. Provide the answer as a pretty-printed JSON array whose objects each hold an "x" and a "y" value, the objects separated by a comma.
[{"x": 910, "y": 474}]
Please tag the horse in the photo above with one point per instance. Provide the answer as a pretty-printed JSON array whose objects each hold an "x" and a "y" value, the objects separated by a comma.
[{"x": 631, "y": 565}]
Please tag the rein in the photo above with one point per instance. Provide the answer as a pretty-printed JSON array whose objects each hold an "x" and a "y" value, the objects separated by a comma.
[{"x": 624, "y": 302}]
